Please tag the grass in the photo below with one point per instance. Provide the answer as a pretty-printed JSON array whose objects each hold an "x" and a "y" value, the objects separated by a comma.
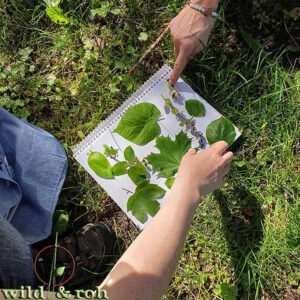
[{"x": 244, "y": 241}]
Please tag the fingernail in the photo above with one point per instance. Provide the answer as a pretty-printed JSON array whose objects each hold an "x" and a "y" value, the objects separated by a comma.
[
  {"x": 171, "y": 82},
  {"x": 192, "y": 151}
]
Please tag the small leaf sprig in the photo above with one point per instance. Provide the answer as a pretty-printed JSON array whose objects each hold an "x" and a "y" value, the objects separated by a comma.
[
  {"x": 189, "y": 123},
  {"x": 110, "y": 151}
]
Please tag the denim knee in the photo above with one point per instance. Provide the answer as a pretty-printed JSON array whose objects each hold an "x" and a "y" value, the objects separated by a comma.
[{"x": 16, "y": 262}]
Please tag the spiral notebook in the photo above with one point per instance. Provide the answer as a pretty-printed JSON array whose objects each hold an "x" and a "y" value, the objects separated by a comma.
[{"x": 154, "y": 91}]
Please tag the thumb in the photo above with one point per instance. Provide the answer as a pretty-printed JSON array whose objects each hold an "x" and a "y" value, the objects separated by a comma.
[{"x": 179, "y": 66}]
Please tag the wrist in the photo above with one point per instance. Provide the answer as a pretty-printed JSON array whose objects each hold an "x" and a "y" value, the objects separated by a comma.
[
  {"x": 187, "y": 191},
  {"x": 213, "y": 4}
]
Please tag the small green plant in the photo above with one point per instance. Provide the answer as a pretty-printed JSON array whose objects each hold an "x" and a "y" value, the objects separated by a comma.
[
  {"x": 110, "y": 151},
  {"x": 228, "y": 292},
  {"x": 57, "y": 16},
  {"x": 60, "y": 221},
  {"x": 59, "y": 272}
]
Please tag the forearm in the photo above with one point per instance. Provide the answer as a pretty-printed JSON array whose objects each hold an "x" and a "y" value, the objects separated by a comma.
[{"x": 147, "y": 267}]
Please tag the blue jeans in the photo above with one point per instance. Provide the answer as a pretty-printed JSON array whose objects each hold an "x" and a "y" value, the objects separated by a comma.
[
  {"x": 33, "y": 166},
  {"x": 16, "y": 264}
]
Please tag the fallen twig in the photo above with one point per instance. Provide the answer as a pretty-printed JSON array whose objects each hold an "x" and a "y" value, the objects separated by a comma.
[{"x": 150, "y": 48}]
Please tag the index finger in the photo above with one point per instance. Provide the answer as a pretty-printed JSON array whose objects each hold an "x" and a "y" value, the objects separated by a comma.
[{"x": 179, "y": 66}]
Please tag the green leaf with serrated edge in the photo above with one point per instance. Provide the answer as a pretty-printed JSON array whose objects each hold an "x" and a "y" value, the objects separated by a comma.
[
  {"x": 60, "y": 271},
  {"x": 57, "y": 15},
  {"x": 100, "y": 165},
  {"x": 137, "y": 173},
  {"x": 120, "y": 168},
  {"x": 171, "y": 153},
  {"x": 220, "y": 130},
  {"x": 169, "y": 182},
  {"x": 140, "y": 123},
  {"x": 129, "y": 154},
  {"x": 195, "y": 108},
  {"x": 144, "y": 201}
]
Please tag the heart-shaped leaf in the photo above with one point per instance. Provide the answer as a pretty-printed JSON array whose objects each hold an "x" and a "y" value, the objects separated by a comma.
[
  {"x": 220, "y": 130},
  {"x": 195, "y": 108},
  {"x": 144, "y": 201},
  {"x": 100, "y": 165},
  {"x": 139, "y": 123},
  {"x": 120, "y": 168},
  {"x": 137, "y": 173}
]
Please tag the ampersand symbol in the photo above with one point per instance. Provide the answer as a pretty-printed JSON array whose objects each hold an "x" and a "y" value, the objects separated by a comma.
[{"x": 62, "y": 293}]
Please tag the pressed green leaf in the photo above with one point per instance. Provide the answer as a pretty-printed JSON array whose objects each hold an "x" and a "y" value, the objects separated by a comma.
[
  {"x": 140, "y": 124},
  {"x": 137, "y": 173},
  {"x": 220, "y": 130},
  {"x": 120, "y": 168},
  {"x": 60, "y": 271},
  {"x": 169, "y": 182},
  {"x": 129, "y": 154},
  {"x": 144, "y": 201},
  {"x": 171, "y": 153},
  {"x": 195, "y": 108},
  {"x": 100, "y": 165},
  {"x": 56, "y": 15},
  {"x": 60, "y": 221}
]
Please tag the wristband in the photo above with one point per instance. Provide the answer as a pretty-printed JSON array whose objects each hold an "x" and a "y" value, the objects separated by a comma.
[{"x": 206, "y": 11}]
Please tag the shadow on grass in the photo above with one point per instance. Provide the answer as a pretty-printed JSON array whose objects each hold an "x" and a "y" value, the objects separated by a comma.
[{"x": 242, "y": 226}]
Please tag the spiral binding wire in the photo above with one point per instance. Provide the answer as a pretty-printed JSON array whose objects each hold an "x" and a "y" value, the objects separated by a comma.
[{"x": 160, "y": 75}]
